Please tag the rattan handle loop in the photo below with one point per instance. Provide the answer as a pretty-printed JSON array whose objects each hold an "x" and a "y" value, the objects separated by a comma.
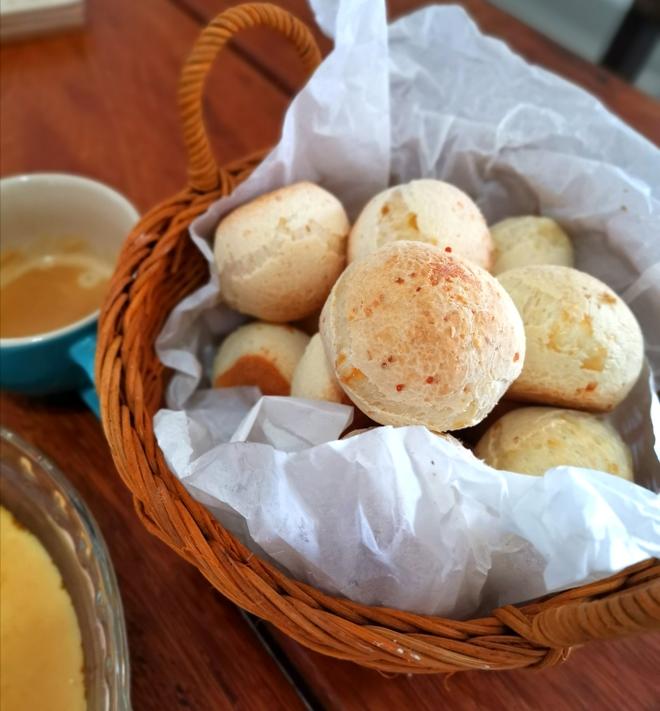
[
  {"x": 620, "y": 614},
  {"x": 203, "y": 173}
]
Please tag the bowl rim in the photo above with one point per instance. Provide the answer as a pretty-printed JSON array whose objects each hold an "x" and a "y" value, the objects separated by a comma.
[
  {"x": 66, "y": 181},
  {"x": 120, "y": 692}
]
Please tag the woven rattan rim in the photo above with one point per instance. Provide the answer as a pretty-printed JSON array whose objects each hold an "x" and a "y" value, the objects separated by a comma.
[{"x": 157, "y": 267}]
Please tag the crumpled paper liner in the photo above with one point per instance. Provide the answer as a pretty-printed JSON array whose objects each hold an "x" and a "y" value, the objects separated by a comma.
[{"x": 398, "y": 516}]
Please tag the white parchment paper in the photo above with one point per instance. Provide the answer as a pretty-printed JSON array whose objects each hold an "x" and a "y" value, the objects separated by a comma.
[{"x": 397, "y": 516}]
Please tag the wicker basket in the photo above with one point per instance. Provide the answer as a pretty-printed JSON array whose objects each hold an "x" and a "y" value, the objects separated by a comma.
[{"x": 158, "y": 267}]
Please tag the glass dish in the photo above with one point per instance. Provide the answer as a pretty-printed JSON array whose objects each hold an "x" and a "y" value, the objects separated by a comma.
[{"x": 39, "y": 496}]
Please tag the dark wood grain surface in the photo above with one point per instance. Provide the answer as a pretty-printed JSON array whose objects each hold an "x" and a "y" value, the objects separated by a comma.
[
  {"x": 603, "y": 675},
  {"x": 102, "y": 102}
]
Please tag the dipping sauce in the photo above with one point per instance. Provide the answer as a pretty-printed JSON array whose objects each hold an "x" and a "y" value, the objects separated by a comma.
[
  {"x": 40, "y": 643},
  {"x": 44, "y": 292}
]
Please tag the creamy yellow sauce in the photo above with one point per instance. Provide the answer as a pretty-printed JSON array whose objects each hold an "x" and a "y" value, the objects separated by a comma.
[{"x": 41, "y": 658}]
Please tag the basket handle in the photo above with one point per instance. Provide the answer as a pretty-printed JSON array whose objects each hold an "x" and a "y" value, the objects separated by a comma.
[
  {"x": 203, "y": 172},
  {"x": 621, "y": 614}
]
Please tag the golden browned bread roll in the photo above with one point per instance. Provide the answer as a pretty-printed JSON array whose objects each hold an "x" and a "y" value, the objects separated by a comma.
[
  {"x": 261, "y": 354},
  {"x": 416, "y": 337},
  {"x": 427, "y": 211},
  {"x": 279, "y": 255},
  {"x": 532, "y": 440},
  {"x": 584, "y": 346},
  {"x": 313, "y": 377},
  {"x": 521, "y": 241}
]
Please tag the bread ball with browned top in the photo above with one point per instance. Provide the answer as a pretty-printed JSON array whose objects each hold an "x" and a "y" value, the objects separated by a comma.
[
  {"x": 525, "y": 240},
  {"x": 279, "y": 255},
  {"x": 430, "y": 211},
  {"x": 532, "y": 440},
  {"x": 264, "y": 355},
  {"x": 584, "y": 346},
  {"x": 417, "y": 337},
  {"x": 314, "y": 378}
]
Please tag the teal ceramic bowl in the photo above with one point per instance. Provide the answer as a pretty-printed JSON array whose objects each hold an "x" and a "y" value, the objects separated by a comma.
[{"x": 38, "y": 209}]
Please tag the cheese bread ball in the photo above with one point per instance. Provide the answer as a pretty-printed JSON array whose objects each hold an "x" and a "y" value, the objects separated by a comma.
[
  {"x": 521, "y": 241},
  {"x": 532, "y": 440},
  {"x": 279, "y": 255},
  {"x": 426, "y": 211},
  {"x": 417, "y": 337},
  {"x": 261, "y": 354},
  {"x": 314, "y": 378},
  {"x": 584, "y": 346}
]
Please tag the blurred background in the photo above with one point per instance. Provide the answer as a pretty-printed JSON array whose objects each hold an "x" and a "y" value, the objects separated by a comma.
[{"x": 622, "y": 35}]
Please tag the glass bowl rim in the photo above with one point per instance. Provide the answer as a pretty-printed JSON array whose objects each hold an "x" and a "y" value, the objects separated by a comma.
[{"x": 119, "y": 693}]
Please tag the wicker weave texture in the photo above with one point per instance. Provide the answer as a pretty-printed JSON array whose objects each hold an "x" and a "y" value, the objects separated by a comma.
[{"x": 157, "y": 267}]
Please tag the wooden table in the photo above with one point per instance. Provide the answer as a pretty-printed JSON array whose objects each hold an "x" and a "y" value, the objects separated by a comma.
[{"x": 102, "y": 102}]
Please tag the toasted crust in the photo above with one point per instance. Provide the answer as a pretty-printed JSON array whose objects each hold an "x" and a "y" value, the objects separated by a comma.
[
  {"x": 279, "y": 255},
  {"x": 428, "y": 211},
  {"x": 584, "y": 346},
  {"x": 527, "y": 240},
  {"x": 261, "y": 354},
  {"x": 416, "y": 337},
  {"x": 532, "y": 440}
]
